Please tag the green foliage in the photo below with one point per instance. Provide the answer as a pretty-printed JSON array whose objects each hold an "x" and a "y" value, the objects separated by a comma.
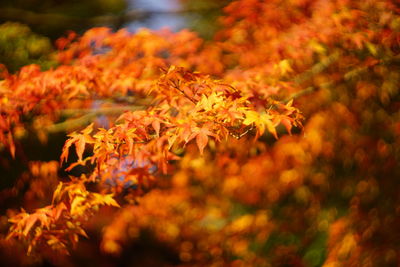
[
  {"x": 75, "y": 8},
  {"x": 203, "y": 16},
  {"x": 19, "y": 46},
  {"x": 53, "y": 18}
]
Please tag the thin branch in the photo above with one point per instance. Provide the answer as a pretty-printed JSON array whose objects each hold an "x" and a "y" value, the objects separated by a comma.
[
  {"x": 317, "y": 68},
  {"x": 184, "y": 94},
  {"x": 100, "y": 111},
  {"x": 298, "y": 94},
  {"x": 321, "y": 66},
  {"x": 90, "y": 114},
  {"x": 306, "y": 91},
  {"x": 70, "y": 125}
]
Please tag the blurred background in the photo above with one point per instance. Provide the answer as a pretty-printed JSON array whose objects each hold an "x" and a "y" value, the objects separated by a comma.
[{"x": 28, "y": 28}]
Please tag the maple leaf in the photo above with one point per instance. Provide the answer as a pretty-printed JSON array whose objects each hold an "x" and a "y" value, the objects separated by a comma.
[
  {"x": 65, "y": 150},
  {"x": 80, "y": 140},
  {"x": 171, "y": 139},
  {"x": 186, "y": 131},
  {"x": 25, "y": 221},
  {"x": 80, "y": 231},
  {"x": 201, "y": 135},
  {"x": 202, "y": 139},
  {"x": 209, "y": 103},
  {"x": 288, "y": 125},
  {"x": 57, "y": 193},
  {"x": 57, "y": 211},
  {"x": 261, "y": 120},
  {"x": 156, "y": 126},
  {"x": 78, "y": 206},
  {"x": 105, "y": 200}
]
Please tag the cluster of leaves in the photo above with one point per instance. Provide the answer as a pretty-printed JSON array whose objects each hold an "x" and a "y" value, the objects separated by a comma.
[
  {"x": 185, "y": 106},
  {"x": 59, "y": 224},
  {"x": 199, "y": 166}
]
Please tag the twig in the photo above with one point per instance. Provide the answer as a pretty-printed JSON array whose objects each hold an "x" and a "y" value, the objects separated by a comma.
[
  {"x": 100, "y": 111},
  {"x": 317, "y": 68},
  {"x": 72, "y": 124},
  {"x": 306, "y": 91},
  {"x": 90, "y": 114}
]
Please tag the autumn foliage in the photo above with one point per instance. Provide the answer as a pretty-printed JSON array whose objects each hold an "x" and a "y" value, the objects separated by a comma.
[{"x": 275, "y": 144}]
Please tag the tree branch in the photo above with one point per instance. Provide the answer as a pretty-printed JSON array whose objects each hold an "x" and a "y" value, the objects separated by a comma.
[
  {"x": 317, "y": 68},
  {"x": 90, "y": 114}
]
